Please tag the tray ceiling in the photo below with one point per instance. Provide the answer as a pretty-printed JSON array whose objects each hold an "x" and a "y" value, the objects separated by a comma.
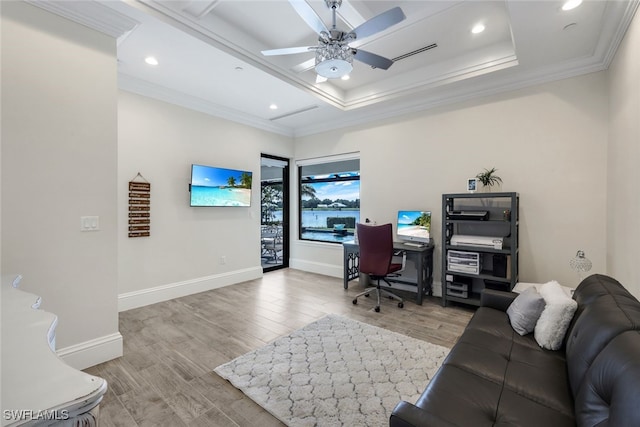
[{"x": 209, "y": 54}]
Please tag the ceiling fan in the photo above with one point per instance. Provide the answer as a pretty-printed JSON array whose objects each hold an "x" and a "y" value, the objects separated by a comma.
[{"x": 334, "y": 56}]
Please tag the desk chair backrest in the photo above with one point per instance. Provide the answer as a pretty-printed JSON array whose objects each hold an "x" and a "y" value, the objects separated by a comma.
[{"x": 376, "y": 248}]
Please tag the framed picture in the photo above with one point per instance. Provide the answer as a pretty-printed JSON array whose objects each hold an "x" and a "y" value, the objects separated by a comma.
[{"x": 472, "y": 185}]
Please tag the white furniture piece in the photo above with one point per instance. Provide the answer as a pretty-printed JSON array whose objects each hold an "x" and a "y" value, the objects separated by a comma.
[{"x": 38, "y": 388}]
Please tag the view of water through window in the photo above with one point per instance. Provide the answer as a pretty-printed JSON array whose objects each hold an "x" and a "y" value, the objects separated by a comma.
[{"x": 330, "y": 206}]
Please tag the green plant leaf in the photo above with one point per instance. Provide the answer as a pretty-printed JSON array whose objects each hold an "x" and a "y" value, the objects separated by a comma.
[{"x": 488, "y": 179}]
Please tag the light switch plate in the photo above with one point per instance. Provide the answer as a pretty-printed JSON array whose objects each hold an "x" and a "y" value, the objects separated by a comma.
[{"x": 89, "y": 223}]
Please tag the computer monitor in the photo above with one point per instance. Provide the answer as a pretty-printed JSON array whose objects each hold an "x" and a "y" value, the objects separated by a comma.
[{"x": 414, "y": 226}]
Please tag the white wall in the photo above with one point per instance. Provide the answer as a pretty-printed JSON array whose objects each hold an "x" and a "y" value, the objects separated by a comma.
[
  {"x": 623, "y": 225},
  {"x": 182, "y": 255},
  {"x": 548, "y": 143},
  {"x": 59, "y": 160}
]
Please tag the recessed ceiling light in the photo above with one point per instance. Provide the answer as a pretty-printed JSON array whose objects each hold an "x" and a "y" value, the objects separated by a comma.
[
  {"x": 151, "y": 60},
  {"x": 477, "y": 29},
  {"x": 571, "y": 4},
  {"x": 345, "y": 77},
  {"x": 273, "y": 107}
]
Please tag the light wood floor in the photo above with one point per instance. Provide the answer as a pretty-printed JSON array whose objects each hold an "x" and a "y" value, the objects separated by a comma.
[{"x": 165, "y": 377}]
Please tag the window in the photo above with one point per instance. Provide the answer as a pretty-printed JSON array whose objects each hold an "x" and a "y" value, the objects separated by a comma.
[{"x": 329, "y": 198}]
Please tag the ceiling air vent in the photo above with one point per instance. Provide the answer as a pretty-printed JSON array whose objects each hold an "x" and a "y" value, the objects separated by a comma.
[
  {"x": 415, "y": 52},
  {"x": 293, "y": 113}
]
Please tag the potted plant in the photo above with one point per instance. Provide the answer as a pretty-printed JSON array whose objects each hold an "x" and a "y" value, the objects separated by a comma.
[{"x": 488, "y": 178}]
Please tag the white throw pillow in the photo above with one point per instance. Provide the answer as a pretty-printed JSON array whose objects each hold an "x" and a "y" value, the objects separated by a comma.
[
  {"x": 525, "y": 311},
  {"x": 556, "y": 316}
]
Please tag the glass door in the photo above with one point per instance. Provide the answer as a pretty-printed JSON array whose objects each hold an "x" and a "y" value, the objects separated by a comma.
[{"x": 274, "y": 212}]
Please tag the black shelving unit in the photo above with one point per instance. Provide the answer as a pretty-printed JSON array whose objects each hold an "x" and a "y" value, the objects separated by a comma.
[{"x": 472, "y": 267}]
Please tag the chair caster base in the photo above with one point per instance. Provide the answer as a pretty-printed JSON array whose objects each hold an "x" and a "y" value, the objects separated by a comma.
[
  {"x": 355, "y": 301},
  {"x": 377, "y": 309},
  {"x": 401, "y": 305}
]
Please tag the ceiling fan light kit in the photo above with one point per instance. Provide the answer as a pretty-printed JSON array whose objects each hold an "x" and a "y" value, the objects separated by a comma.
[
  {"x": 334, "y": 56},
  {"x": 334, "y": 60}
]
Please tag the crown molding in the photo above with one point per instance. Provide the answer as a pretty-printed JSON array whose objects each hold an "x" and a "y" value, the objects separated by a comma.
[
  {"x": 194, "y": 27},
  {"x": 436, "y": 81},
  {"x": 617, "y": 34},
  {"x": 360, "y": 110},
  {"x": 161, "y": 93},
  {"x": 480, "y": 90},
  {"x": 90, "y": 14}
]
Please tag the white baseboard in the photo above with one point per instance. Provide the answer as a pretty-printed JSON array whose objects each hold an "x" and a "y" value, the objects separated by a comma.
[
  {"x": 92, "y": 352},
  {"x": 130, "y": 300},
  {"x": 316, "y": 267}
]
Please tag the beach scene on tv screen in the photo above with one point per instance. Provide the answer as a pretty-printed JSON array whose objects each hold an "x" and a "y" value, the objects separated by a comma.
[
  {"x": 414, "y": 224},
  {"x": 212, "y": 186}
]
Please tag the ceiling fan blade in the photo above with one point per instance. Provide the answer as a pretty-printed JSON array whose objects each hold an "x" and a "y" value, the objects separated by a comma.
[
  {"x": 304, "y": 66},
  {"x": 309, "y": 15},
  {"x": 287, "y": 50},
  {"x": 350, "y": 14},
  {"x": 372, "y": 59},
  {"x": 379, "y": 23}
]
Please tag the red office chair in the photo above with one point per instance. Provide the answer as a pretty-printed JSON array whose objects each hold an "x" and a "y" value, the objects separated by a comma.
[{"x": 376, "y": 255}]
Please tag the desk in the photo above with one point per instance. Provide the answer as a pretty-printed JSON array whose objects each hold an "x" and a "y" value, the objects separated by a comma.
[{"x": 422, "y": 257}]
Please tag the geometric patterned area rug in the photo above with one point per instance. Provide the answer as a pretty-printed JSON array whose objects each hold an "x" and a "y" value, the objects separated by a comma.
[{"x": 335, "y": 372}]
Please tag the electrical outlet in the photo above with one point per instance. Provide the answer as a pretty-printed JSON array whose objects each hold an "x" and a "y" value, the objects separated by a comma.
[{"x": 223, "y": 260}]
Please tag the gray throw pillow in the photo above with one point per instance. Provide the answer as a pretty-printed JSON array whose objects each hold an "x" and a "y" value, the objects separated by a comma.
[{"x": 525, "y": 311}]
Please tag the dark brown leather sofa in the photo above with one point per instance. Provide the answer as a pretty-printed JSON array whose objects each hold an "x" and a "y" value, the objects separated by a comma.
[{"x": 495, "y": 377}]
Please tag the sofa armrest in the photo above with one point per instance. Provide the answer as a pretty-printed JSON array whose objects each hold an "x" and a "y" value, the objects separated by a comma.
[
  {"x": 407, "y": 415},
  {"x": 500, "y": 300}
]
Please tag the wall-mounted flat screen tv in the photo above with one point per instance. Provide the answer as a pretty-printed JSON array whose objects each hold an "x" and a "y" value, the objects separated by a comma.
[
  {"x": 414, "y": 226},
  {"x": 213, "y": 186}
]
